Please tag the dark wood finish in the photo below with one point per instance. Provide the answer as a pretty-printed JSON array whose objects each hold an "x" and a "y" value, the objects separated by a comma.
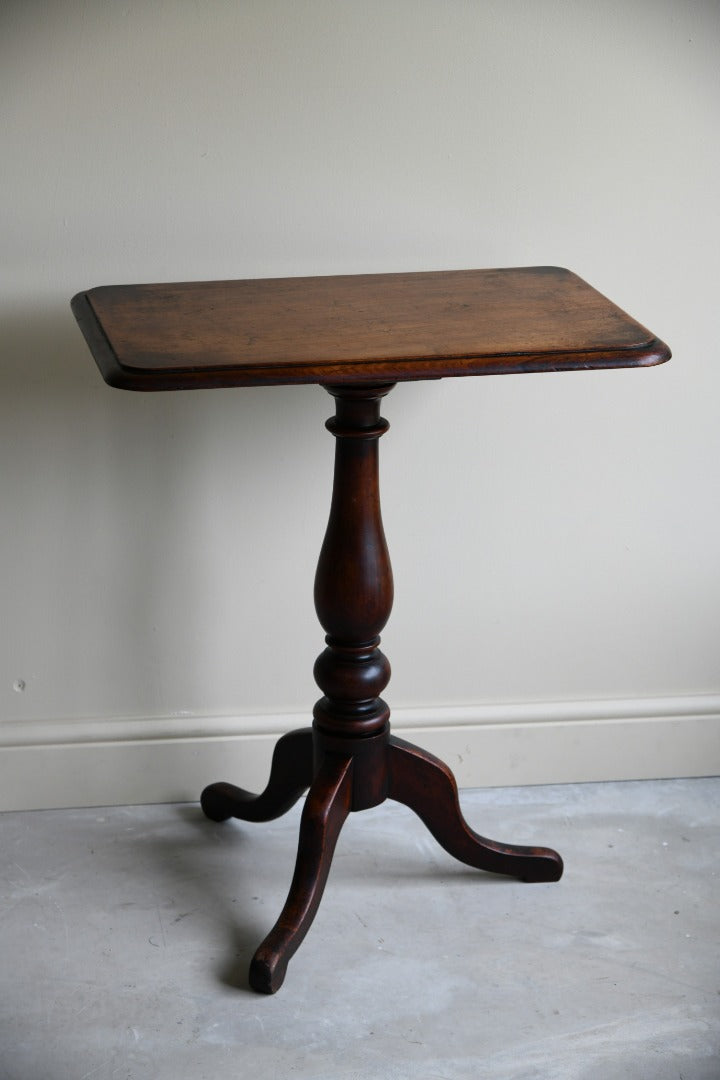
[
  {"x": 353, "y": 583},
  {"x": 427, "y": 786},
  {"x": 326, "y": 809},
  {"x": 357, "y": 764},
  {"x": 356, "y": 336},
  {"x": 376, "y": 328},
  {"x": 291, "y": 774}
]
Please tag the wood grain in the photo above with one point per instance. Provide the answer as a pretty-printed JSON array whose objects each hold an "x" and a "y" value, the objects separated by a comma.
[{"x": 362, "y": 328}]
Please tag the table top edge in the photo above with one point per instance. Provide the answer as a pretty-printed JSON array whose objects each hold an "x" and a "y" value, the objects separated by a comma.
[{"x": 647, "y": 350}]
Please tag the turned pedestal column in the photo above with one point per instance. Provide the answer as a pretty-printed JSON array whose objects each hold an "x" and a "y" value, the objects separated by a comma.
[{"x": 348, "y": 758}]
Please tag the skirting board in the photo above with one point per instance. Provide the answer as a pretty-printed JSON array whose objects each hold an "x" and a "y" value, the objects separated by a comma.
[{"x": 71, "y": 763}]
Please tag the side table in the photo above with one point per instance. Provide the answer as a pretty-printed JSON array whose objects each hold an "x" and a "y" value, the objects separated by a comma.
[{"x": 357, "y": 336}]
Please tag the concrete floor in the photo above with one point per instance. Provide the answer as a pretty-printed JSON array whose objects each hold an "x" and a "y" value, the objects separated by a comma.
[{"x": 125, "y": 936}]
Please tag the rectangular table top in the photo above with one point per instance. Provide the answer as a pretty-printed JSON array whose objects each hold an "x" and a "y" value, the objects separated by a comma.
[{"x": 372, "y": 328}]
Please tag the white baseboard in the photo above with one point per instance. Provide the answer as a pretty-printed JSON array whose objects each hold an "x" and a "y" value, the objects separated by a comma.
[{"x": 69, "y": 763}]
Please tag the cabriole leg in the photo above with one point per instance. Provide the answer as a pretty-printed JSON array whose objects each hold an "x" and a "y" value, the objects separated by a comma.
[
  {"x": 326, "y": 809},
  {"x": 291, "y": 774},
  {"x": 427, "y": 786}
]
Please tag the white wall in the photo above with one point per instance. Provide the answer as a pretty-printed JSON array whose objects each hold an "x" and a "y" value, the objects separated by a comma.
[{"x": 555, "y": 539}]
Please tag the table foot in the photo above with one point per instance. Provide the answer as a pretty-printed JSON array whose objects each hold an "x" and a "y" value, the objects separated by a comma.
[
  {"x": 425, "y": 784},
  {"x": 291, "y": 774},
  {"x": 326, "y": 809}
]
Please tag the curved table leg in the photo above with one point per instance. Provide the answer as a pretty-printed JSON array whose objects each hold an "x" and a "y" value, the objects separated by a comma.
[
  {"x": 425, "y": 784},
  {"x": 291, "y": 774},
  {"x": 326, "y": 809}
]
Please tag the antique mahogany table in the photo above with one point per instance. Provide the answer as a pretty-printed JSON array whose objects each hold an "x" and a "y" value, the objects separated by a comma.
[{"x": 356, "y": 336}]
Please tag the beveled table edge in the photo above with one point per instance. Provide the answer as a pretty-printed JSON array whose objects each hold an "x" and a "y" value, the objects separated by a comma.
[{"x": 647, "y": 353}]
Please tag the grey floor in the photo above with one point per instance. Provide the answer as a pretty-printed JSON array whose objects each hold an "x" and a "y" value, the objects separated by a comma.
[{"x": 125, "y": 936}]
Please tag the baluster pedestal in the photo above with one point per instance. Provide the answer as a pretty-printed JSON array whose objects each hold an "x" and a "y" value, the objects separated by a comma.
[{"x": 348, "y": 758}]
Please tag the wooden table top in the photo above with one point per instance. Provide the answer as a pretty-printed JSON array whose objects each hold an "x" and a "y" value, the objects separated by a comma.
[{"x": 372, "y": 328}]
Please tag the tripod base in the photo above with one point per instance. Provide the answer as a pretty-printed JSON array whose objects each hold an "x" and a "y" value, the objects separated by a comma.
[
  {"x": 345, "y": 775},
  {"x": 348, "y": 759}
]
